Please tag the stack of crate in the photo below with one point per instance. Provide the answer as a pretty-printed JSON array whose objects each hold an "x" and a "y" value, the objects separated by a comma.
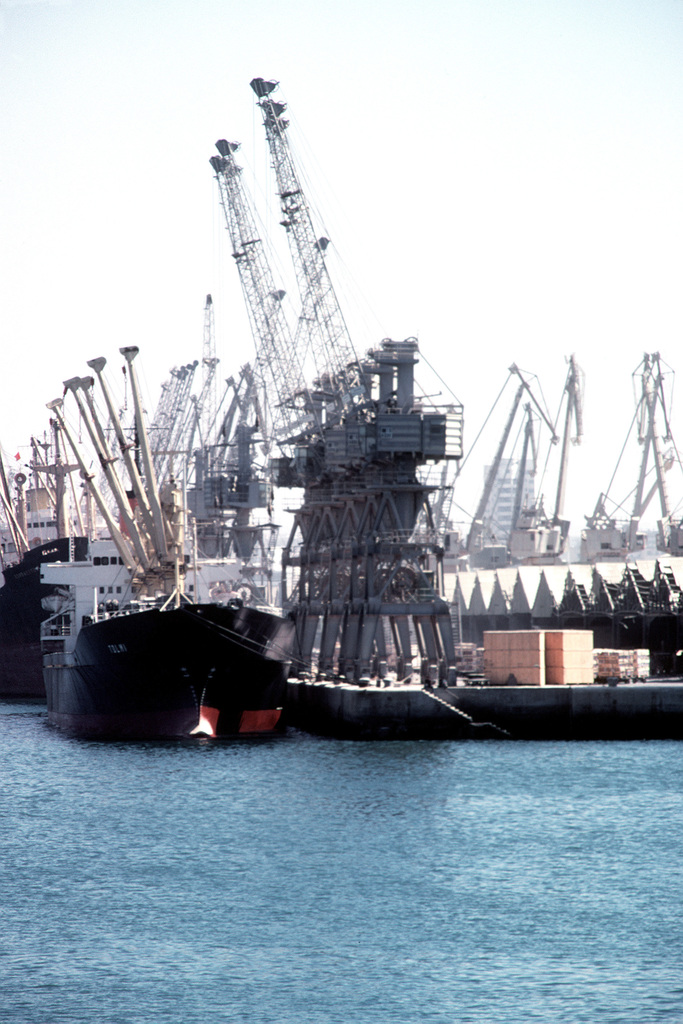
[
  {"x": 568, "y": 657},
  {"x": 617, "y": 664},
  {"x": 469, "y": 657},
  {"x": 515, "y": 653},
  {"x": 641, "y": 663},
  {"x": 538, "y": 657},
  {"x": 606, "y": 663}
]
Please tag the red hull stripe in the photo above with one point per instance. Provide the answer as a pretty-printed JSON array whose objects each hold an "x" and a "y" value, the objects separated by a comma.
[
  {"x": 260, "y": 721},
  {"x": 208, "y": 720}
]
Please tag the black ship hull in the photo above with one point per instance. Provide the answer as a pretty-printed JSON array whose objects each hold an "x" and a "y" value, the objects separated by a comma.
[
  {"x": 196, "y": 670},
  {"x": 21, "y": 614}
]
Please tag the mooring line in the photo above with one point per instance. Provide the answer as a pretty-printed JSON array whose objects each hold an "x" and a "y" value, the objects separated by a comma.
[{"x": 463, "y": 714}]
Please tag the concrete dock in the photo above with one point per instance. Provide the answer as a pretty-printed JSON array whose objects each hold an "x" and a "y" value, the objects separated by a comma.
[{"x": 625, "y": 711}]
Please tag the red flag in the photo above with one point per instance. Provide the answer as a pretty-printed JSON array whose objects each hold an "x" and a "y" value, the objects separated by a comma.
[{"x": 17, "y": 456}]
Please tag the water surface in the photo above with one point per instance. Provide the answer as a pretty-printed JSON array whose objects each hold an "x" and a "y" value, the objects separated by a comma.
[{"x": 326, "y": 882}]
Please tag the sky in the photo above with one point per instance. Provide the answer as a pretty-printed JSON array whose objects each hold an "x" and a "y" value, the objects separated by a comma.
[{"x": 499, "y": 178}]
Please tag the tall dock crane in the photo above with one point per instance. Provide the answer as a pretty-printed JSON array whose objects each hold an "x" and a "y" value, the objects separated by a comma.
[
  {"x": 358, "y": 582},
  {"x": 538, "y": 539},
  {"x": 608, "y": 538},
  {"x": 270, "y": 401},
  {"x": 362, "y": 584},
  {"x": 482, "y": 553},
  {"x": 170, "y": 417},
  {"x": 207, "y": 405}
]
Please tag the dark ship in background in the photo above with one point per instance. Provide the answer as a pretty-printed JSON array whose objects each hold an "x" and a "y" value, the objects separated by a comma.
[
  {"x": 36, "y": 533},
  {"x": 24, "y": 606}
]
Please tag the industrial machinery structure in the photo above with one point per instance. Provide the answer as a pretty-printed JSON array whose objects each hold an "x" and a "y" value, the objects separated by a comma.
[
  {"x": 607, "y": 537},
  {"x": 356, "y": 579},
  {"x": 536, "y": 538},
  {"x": 269, "y": 404},
  {"x": 148, "y": 524},
  {"x": 357, "y": 574},
  {"x": 484, "y": 548}
]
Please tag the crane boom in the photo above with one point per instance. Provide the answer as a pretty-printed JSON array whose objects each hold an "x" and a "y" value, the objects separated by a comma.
[
  {"x": 278, "y": 375},
  {"x": 321, "y": 315},
  {"x": 573, "y": 389},
  {"x": 206, "y": 404},
  {"x": 477, "y": 527},
  {"x": 652, "y": 397}
]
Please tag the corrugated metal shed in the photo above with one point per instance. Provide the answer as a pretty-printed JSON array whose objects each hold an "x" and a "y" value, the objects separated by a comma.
[
  {"x": 482, "y": 592},
  {"x": 500, "y": 601},
  {"x": 550, "y": 591},
  {"x": 526, "y": 589},
  {"x": 464, "y": 587}
]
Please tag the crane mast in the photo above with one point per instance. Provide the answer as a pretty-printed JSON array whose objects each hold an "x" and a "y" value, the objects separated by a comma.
[
  {"x": 321, "y": 316},
  {"x": 652, "y": 398},
  {"x": 474, "y": 536},
  {"x": 528, "y": 443},
  {"x": 170, "y": 418},
  {"x": 573, "y": 389},
  {"x": 206, "y": 405}
]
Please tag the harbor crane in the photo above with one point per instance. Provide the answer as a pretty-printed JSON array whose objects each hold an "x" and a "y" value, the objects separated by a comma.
[
  {"x": 607, "y": 537},
  {"x": 535, "y": 538},
  {"x": 169, "y": 424},
  {"x": 206, "y": 404},
  {"x": 357, "y": 581},
  {"x": 483, "y": 552},
  {"x": 276, "y": 373},
  {"x": 269, "y": 401}
]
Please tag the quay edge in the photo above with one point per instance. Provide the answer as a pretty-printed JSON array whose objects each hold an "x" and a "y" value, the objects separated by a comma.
[{"x": 626, "y": 711}]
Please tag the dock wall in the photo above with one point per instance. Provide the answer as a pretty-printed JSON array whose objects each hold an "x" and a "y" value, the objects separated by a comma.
[{"x": 634, "y": 711}]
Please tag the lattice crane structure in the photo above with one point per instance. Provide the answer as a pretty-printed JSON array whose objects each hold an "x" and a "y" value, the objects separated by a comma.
[
  {"x": 269, "y": 402},
  {"x": 173, "y": 417},
  {"x": 275, "y": 370},
  {"x": 207, "y": 405},
  {"x": 365, "y": 593},
  {"x": 482, "y": 547},
  {"x": 537, "y": 538},
  {"x": 611, "y": 537},
  {"x": 364, "y": 587},
  {"x": 321, "y": 322}
]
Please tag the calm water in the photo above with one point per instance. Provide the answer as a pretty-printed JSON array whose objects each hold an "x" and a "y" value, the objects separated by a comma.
[{"x": 318, "y": 881}]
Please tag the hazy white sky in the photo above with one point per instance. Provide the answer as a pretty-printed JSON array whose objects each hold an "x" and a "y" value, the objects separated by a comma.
[{"x": 501, "y": 178}]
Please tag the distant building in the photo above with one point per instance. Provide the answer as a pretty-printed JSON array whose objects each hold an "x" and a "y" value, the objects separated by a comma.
[{"x": 498, "y": 515}]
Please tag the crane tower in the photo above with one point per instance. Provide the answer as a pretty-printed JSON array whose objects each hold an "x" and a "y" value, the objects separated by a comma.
[{"x": 362, "y": 583}]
